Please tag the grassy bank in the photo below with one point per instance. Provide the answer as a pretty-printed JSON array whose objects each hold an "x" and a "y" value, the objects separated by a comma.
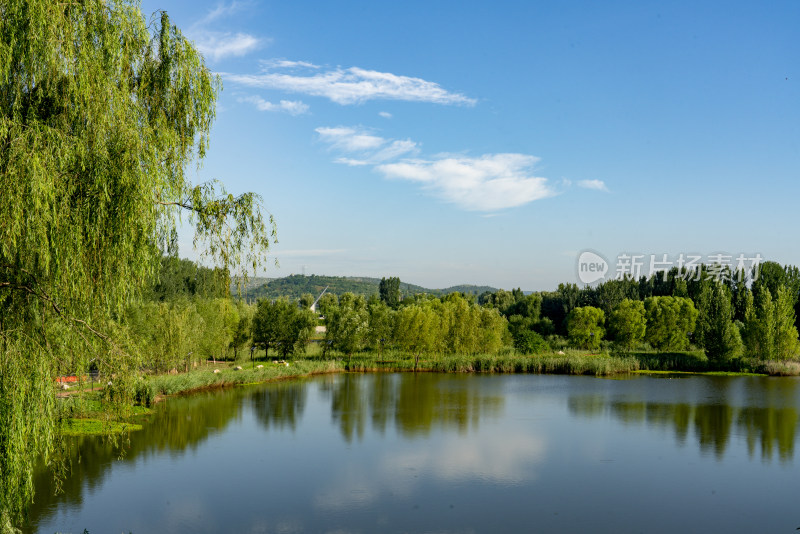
[
  {"x": 86, "y": 414},
  {"x": 696, "y": 362},
  {"x": 233, "y": 375},
  {"x": 571, "y": 362}
]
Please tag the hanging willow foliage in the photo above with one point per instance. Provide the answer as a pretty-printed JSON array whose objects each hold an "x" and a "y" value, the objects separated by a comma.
[{"x": 100, "y": 116}]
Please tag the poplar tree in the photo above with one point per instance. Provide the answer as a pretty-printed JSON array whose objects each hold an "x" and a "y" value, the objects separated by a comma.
[
  {"x": 101, "y": 115},
  {"x": 721, "y": 339}
]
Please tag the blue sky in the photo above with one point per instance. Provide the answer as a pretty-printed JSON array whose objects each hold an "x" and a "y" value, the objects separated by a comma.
[{"x": 491, "y": 143}]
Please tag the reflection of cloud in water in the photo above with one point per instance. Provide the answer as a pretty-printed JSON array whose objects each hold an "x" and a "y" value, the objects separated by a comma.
[
  {"x": 356, "y": 490},
  {"x": 503, "y": 457},
  {"x": 500, "y": 457},
  {"x": 183, "y": 514}
]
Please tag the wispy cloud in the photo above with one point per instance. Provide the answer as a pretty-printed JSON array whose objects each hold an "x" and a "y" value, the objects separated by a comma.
[
  {"x": 486, "y": 183},
  {"x": 219, "y": 45},
  {"x": 286, "y": 64},
  {"x": 597, "y": 185},
  {"x": 385, "y": 114},
  {"x": 353, "y": 85},
  {"x": 309, "y": 253},
  {"x": 349, "y": 139},
  {"x": 364, "y": 147},
  {"x": 215, "y": 44},
  {"x": 221, "y": 11},
  {"x": 292, "y": 107}
]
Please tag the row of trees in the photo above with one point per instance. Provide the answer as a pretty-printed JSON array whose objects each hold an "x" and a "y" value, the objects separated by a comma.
[
  {"x": 695, "y": 284},
  {"x": 424, "y": 325},
  {"x": 180, "y": 332},
  {"x": 731, "y": 315},
  {"x": 451, "y": 324},
  {"x": 727, "y": 316}
]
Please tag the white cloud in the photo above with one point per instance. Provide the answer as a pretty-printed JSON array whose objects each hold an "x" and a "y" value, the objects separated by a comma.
[
  {"x": 371, "y": 149},
  {"x": 395, "y": 149},
  {"x": 501, "y": 458},
  {"x": 349, "y": 139},
  {"x": 292, "y": 107},
  {"x": 385, "y": 114},
  {"x": 286, "y": 64},
  {"x": 215, "y": 44},
  {"x": 597, "y": 185},
  {"x": 349, "y": 86},
  {"x": 486, "y": 183},
  {"x": 219, "y": 45},
  {"x": 352, "y": 162}
]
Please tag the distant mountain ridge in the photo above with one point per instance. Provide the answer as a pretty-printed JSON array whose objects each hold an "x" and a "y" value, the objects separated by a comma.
[{"x": 294, "y": 286}]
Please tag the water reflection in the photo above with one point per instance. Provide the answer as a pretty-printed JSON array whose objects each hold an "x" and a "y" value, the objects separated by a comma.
[
  {"x": 764, "y": 411},
  {"x": 178, "y": 426},
  {"x": 364, "y": 452},
  {"x": 281, "y": 405},
  {"x": 416, "y": 404}
]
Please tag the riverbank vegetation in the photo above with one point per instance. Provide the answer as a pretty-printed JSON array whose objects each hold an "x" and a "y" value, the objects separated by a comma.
[
  {"x": 691, "y": 323},
  {"x": 96, "y": 134}
]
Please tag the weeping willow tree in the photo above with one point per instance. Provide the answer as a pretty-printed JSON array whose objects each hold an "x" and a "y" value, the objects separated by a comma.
[{"x": 101, "y": 114}]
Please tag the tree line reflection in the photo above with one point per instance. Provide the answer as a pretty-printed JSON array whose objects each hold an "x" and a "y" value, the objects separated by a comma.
[
  {"x": 177, "y": 426},
  {"x": 768, "y": 425},
  {"x": 762, "y": 412},
  {"x": 414, "y": 405}
]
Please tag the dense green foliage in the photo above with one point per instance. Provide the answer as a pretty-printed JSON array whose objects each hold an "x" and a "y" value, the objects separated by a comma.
[
  {"x": 184, "y": 278},
  {"x": 99, "y": 119},
  {"x": 730, "y": 315},
  {"x": 389, "y": 291},
  {"x": 282, "y": 325},
  {"x": 770, "y": 332},
  {"x": 721, "y": 337},
  {"x": 348, "y": 324},
  {"x": 585, "y": 327},
  {"x": 627, "y": 323},
  {"x": 670, "y": 322},
  {"x": 451, "y": 324}
]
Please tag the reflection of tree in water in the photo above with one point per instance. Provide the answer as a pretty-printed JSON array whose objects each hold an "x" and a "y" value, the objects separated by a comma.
[
  {"x": 430, "y": 400},
  {"x": 712, "y": 426},
  {"x": 348, "y": 404},
  {"x": 176, "y": 425},
  {"x": 280, "y": 405},
  {"x": 772, "y": 423},
  {"x": 382, "y": 395},
  {"x": 416, "y": 403}
]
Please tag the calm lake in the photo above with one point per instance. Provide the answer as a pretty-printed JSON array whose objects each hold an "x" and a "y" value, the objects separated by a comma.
[{"x": 447, "y": 453}]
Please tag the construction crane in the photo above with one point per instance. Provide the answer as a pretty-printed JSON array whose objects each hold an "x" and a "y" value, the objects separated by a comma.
[{"x": 314, "y": 306}]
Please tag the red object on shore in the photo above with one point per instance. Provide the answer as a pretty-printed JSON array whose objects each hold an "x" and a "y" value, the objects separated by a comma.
[{"x": 66, "y": 379}]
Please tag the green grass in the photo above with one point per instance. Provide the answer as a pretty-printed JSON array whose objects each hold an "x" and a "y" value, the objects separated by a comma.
[
  {"x": 572, "y": 362},
  {"x": 96, "y": 427},
  {"x": 690, "y": 361},
  {"x": 205, "y": 378},
  {"x": 704, "y": 373}
]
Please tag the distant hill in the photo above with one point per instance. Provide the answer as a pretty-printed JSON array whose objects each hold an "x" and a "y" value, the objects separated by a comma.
[
  {"x": 296, "y": 285},
  {"x": 253, "y": 282}
]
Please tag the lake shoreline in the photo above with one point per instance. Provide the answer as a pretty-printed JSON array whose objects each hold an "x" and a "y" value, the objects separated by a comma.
[{"x": 156, "y": 388}]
